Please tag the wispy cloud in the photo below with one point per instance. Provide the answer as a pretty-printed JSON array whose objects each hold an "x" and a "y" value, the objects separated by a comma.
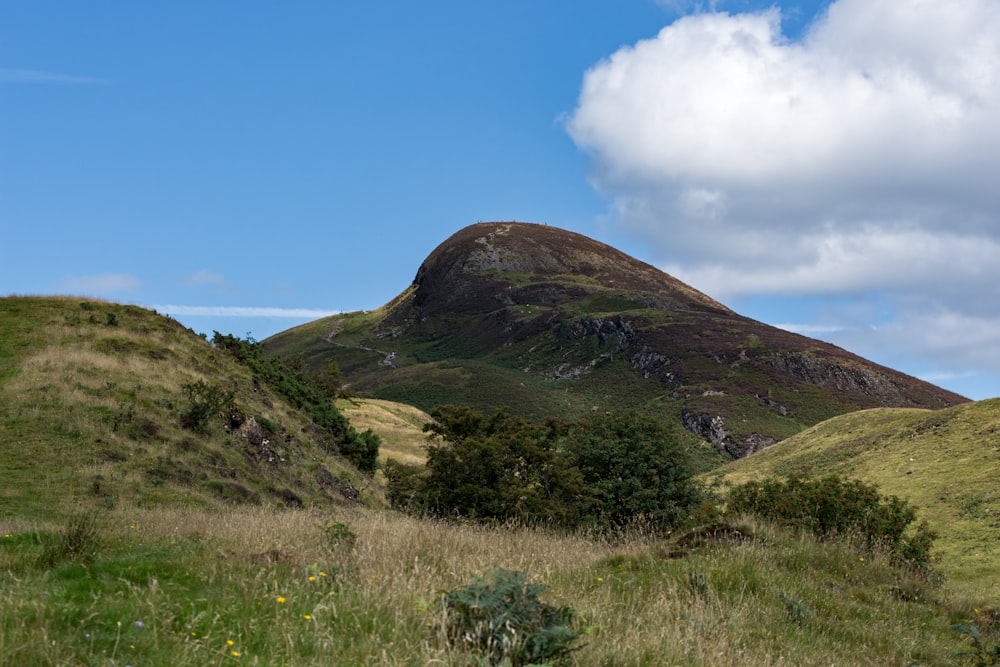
[
  {"x": 243, "y": 311},
  {"x": 100, "y": 285},
  {"x": 16, "y": 75},
  {"x": 204, "y": 277},
  {"x": 809, "y": 329}
]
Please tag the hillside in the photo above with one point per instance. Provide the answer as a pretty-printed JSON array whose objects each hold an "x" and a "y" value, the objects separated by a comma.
[
  {"x": 551, "y": 323},
  {"x": 944, "y": 462},
  {"x": 400, "y": 426},
  {"x": 238, "y": 544},
  {"x": 91, "y": 402}
]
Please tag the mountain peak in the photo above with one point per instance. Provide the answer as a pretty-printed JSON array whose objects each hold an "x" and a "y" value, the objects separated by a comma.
[{"x": 481, "y": 262}]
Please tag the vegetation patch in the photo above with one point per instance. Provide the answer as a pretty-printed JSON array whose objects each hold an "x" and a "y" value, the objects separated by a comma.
[{"x": 499, "y": 620}]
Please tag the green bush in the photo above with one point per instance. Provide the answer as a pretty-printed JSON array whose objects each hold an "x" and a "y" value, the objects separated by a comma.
[
  {"x": 204, "y": 400},
  {"x": 499, "y": 620},
  {"x": 634, "y": 468},
  {"x": 362, "y": 450},
  {"x": 608, "y": 471},
  {"x": 502, "y": 467},
  {"x": 980, "y": 654},
  {"x": 830, "y": 506}
]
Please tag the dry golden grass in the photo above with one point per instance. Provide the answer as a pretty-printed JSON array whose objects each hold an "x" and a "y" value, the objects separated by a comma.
[{"x": 400, "y": 427}]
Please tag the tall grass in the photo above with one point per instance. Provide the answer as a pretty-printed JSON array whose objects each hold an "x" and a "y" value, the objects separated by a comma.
[{"x": 361, "y": 588}]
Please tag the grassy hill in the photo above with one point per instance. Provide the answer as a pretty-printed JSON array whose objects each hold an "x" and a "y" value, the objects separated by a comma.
[
  {"x": 92, "y": 396},
  {"x": 945, "y": 462}
]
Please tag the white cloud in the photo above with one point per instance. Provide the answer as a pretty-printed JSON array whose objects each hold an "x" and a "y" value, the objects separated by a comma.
[
  {"x": 916, "y": 260},
  {"x": 861, "y": 158},
  {"x": 720, "y": 121},
  {"x": 105, "y": 284},
  {"x": 243, "y": 311}
]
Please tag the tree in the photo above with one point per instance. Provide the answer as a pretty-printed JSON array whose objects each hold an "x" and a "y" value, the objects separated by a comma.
[
  {"x": 607, "y": 470},
  {"x": 328, "y": 379},
  {"x": 634, "y": 468},
  {"x": 501, "y": 467}
]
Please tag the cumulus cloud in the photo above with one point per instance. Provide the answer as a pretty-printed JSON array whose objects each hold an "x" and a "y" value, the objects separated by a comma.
[
  {"x": 861, "y": 157},
  {"x": 106, "y": 284},
  {"x": 875, "y": 119}
]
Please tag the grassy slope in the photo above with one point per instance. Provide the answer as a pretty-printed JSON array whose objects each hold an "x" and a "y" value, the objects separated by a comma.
[
  {"x": 945, "y": 462},
  {"x": 90, "y": 398},
  {"x": 400, "y": 426}
]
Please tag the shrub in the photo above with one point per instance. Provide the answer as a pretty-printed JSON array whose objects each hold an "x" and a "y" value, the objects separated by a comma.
[
  {"x": 205, "y": 400},
  {"x": 609, "y": 471},
  {"x": 501, "y": 621},
  {"x": 501, "y": 467},
  {"x": 634, "y": 468},
  {"x": 980, "y": 654},
  {"x": 362, "y": 450},
  {"x": 830, "y": 506}
]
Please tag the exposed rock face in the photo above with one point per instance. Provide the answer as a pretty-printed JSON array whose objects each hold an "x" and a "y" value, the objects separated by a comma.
[
  {"x": 714, "y": 430},
  {"x": 843, "y": 376}
]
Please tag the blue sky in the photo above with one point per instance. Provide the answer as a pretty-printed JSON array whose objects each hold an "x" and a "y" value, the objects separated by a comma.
[{"x": 245, "y": 167}]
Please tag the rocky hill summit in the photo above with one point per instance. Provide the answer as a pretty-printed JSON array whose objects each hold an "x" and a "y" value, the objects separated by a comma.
[
  {"x": 547, "y": 322},
  {"x": 491, "y": 265}
]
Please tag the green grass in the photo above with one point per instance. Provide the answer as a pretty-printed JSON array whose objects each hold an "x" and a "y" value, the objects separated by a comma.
[{"x": 188, "y": 587}]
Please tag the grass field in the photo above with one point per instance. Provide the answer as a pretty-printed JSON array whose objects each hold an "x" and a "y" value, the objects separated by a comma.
[{"x": 277, "y": 587}]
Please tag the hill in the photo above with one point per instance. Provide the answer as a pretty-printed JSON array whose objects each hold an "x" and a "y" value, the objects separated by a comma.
[
  {"x": 944, "y": 462},
  {"x": 551, "y": 323},
  {"x": 93, "y": 396}
]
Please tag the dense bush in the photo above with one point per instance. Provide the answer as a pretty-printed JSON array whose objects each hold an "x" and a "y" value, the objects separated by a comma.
[
  {"x": 293, "y": 383},
  {"x": 606, "y": 471},
  {"x": 831, "y": 505},
  {"x": 500, "y": 621},
  {"x": 502, "y": 467},
  {"x": 634, "y": 467}
]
